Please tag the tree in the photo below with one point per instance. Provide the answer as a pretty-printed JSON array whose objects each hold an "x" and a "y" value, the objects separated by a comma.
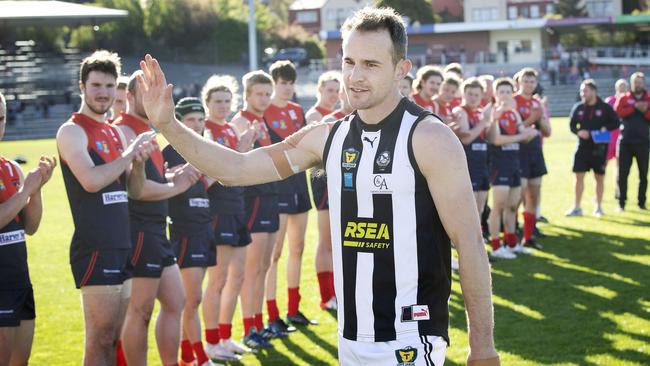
[
  {"x": 570, "y": 9},
  {"x": 416, "y": 10}
]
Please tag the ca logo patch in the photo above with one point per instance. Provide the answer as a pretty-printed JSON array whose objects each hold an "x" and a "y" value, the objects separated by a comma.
[
  {"x": 406, "y": 356},
  {"x": 350, "y": 158}
]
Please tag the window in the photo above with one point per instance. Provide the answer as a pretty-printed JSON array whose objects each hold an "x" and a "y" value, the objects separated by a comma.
[
  {"x": 524, "y": 11},
  {"x": 485, "y": 14},
  {"x": 331, "y": 14},
  {"x": 523, "y": 46},
  {"x": 307, "y": 17},
  {"x": 512, "y": 12},
  {"x": 550, "y": 8},
  {"x": 534, "y": 11},
  {"x": 599, "y": 8}
]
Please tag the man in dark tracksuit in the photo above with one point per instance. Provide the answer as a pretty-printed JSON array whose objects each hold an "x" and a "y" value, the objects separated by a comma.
[
  {"x": 633, "y": 141},
  {"x": 587, "y": 119}
]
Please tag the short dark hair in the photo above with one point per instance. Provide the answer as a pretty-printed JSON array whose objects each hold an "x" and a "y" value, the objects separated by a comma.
[
  {"x": 424, "y": 73},
  {"x": 504, "y": 81},
  {"x": 590, "y": 83},
  {"x": 451, "y": 80},
  {"x": 454, "y": 67},
  {"x": 283, "y": 69},
  {"x": 101, "y": 61},
  {"x": 528, "y": 71},
  {"x": 474, "y": 83},
  {"x": 371, "y": 19}
]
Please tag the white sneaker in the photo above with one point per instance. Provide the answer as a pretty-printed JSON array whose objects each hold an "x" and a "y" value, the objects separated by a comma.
[
  {"x": 574, "y": 212},
  {"x": 520, "y": 249},
  {"x": 218, "y": 352},
  {"x": 331, "y": 304},
  {"x": 503, "y": 253},
  {"x": 235, "y": 347},
  {"x": 454, "y": 264},
  {"x": 598, "y": 212}
]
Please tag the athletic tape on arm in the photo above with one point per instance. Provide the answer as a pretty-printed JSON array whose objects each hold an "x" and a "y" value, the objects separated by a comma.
[{"x": 279, "y": 153}]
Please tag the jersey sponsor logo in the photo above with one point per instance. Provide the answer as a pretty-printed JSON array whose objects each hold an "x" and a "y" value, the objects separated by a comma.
[
  {"x": 383, "y": 160},
  {"x": 380, "y": 184},
  {"x": 275, "y": 124},
  {"x": 102, "y": 147},
  {"x": 510, "y": 147},
  {"x": 110, "y": 198},
  {"x": 12, "y": 237},
  {"x": 599, "y": 113},
  {"x": 152, "y": 266},
  {"x": 374, "y": 235},
  {"x": 199, "y": 202},
  {"x": 372, "y": 142},
  {"x": 348, "y": 180},
  {"x": 2, "y": 186},
  {"x": 479, "y": 146},
  {"x": 406, "y": 356},
  {"x": 350, "y": 158},
  {"x": 420, "y": 312},
  {"x": 108, "y": 271},
  {"x": 292, "y": 114}
]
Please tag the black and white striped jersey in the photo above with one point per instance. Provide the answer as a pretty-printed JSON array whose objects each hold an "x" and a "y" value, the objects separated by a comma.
[{"x": 391, "y": 253}]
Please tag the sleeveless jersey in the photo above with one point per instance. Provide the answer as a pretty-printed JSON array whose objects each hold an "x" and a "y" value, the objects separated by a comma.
[
  {"x": 147, "y": 211},
  {"x": 224, "y": 200},
  {"x": 424, "y": 103},
  {"x": 323, "y": 111},
  {"x": 507, "y": 127},
  {"x": 525, "y": 107},
  {"x": 282, "y": 122},
  {"x": 444, "y": 109},
  {"x": 263, "y": 139},
  {"x": 101, "y": 219},
  {"x": 391, "y": 253},
  {"x": 189, "y": 210},
  {"x": 477, "y": 150},
  {"x": 13, "y": 249}
]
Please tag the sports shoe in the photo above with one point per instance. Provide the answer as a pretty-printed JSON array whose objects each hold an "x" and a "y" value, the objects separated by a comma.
[
  {"x": 300, "y": 319},
  {"x": 537, "y": 233},
  {"x": 532, "y": 244},
  {"x": 642, "y": 206},
  {"x": 221, "y": 353},
  {"x": 574, "y": 212},
  {"x": 598, "y": 212},
  {"x": 454, "y": 264},
  {"x": 520, "y": 249},
  {"x": 235, "y": 347},
  {"x": 279, "y": 326},
  {"x": 543, "y": 219},
  {"x": 269, "y": 333},
  {"x": 255, "y": 341},
  {"x": 502, "y": 253},
  {"x": 329, "y": 305}
]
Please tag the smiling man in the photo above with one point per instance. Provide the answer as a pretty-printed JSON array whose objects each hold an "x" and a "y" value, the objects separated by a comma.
[{"x": 392, "y": 168}]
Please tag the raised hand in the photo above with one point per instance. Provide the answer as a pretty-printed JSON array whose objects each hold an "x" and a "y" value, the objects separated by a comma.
[
  {"x": 46, "y": 166},
  {"x": 33, "y": 181},
  {"x": 137, "y": 145},
  {"x": 156, "y": 93},
  {"x": 247, "y": 139}
]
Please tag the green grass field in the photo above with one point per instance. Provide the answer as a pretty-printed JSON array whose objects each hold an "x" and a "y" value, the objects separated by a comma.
[{"x": 584, "y": 300}]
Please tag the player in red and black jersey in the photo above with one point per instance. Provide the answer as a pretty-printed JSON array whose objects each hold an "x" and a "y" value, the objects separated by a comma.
[
  {"x": 455, "y": 70},
  {"x": 229, "y": 223},
  {"x": 329, "y": 84},
  {"x": 283, "y": 118},
  {"x": 428, "y": 80},
  {"x": 506, "y": 134},
  {"x": 262, "y": 211},
  {"x": 98, "y": 169},
  {"x": 21, "y": 209},
  {"x": 153, "y": 261},
  {"x": 406, "y": 86},
  {"x": 533, "y": 165},
  {"x": 442, "y": 103}
]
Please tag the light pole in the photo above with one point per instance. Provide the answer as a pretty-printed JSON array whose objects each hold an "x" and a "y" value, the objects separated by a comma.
[{"x": 252, "y": 37}]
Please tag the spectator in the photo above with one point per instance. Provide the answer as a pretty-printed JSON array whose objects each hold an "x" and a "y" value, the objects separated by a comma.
[
  {"x": 621, "y": 88},
  {"x": 590, "y": 120}
]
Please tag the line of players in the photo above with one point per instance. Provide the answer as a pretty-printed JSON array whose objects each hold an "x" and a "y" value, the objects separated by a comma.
[{"x": 501, "y": 124}]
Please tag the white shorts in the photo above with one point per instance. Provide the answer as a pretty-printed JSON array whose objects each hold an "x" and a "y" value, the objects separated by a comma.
[{"x": 410, "y": 351}]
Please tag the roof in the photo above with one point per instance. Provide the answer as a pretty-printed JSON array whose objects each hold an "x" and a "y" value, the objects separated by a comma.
[
  {"x": 307, "y": 4},
  {"x": 55, "y": 12}
]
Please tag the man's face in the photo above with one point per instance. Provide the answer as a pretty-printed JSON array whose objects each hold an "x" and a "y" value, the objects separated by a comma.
[
  {"x": 587, "y": 94},
  {"x": 369, "y": 74},
  {"x": 329, "y": 92},
  {"x": 219, "y": 104},
  {"x": 622, "y": 88},
  {"x": 448, "y": 92},
  {"x": 528, "y": 84},
  {"x": 258, "y": 97},
  {"x": 283, "y": 89},
  {"x": 3, "y": 119},
  {"x": 638, "y": 85},
  {"x": 405, "y": 87},
  {"x": 473, "y": 97},
  {"x": 504, "y": 94},
  {"x": 98, "y": 91},
  {"x": 119, "y": 104},
  {"x": 195, "y": 121},
  {"x": 431, "y": 86}
]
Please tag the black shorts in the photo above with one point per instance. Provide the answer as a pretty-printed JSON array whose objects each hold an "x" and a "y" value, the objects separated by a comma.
[
  {"x": 594, "y": 158},
  {"x": 319, "y": 193},
  {"x": 532, "y": 164},
  {"x": 294, "y": 203},
  {"x": 504, "y": 176},
  {"x": 16, "y": 305},
  {"x": 102, "y": 267},
  {"x": 194, "y": 249},
  {"x": 231, "y": 230},
  {"x": 262, "y": 214},
  {"x": 152, "y": 252},
  {"x": 480, "y": 179}
]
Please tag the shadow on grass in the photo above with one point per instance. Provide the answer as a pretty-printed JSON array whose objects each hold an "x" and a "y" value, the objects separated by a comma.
[{"x": 565, "y": 304}]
